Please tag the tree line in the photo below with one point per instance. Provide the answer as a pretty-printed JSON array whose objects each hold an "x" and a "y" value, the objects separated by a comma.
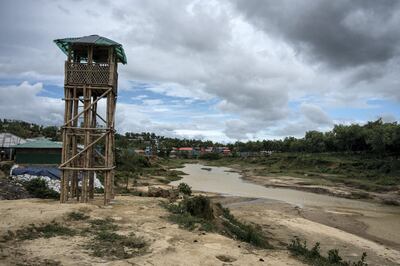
[
  {"x": 27, "y": 130},
  {"x": 374, "y": 137}
]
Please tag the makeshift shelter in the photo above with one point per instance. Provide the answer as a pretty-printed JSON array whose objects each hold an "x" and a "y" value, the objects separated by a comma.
[
  {"x": 40, "y": 151},
  {"x": 7, "y": 141}
]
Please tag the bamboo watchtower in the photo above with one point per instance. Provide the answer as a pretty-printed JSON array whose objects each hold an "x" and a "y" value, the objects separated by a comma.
[{"x": 90, "y": 93}]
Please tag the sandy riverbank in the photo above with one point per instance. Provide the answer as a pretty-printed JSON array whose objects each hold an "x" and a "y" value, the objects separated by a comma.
[
  {"x": 353, "y": 226},
  {"x": 282, "y": 222},
  {"x": 168, "y": 244},
  {"x": 309, "y": 185}
]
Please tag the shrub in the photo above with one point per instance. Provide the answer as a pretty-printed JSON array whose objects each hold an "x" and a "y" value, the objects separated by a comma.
[
  {"x": 333, "y": 256},
  {"x": 77, "y": 216},
  {"x": 103, "y": 225},
  {"x": 185, "y": 189},
  {"x": 313, "y": 257},
  {"x": 107, "y": 243},
  {"x": 110, "y": 244},
  {"x": 210, "y": 156},
  {"x": 38, "y": 188},
  {"x": 199, "y": 210},
  {"x": 244, "y": 232},
  {"x": 198, "y": 206},
  {"x": 45, "y": 230}
]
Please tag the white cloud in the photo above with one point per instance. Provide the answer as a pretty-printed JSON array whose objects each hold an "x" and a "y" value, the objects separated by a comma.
[
  {"x": 22, "y": 102},
  {"x": 228, "y": 54},
  {"x": 315, "y": 114}
]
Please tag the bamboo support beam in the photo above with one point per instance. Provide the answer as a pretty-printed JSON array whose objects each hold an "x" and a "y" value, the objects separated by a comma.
[
  {"x": 88, "y": 107},
  {"x": 84, "y": 149}
]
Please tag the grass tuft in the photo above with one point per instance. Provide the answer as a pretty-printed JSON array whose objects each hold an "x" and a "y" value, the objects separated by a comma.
[
  {"x": 313, "y": 256},
  {"x": 77, "y": 216},
  {"x": 45, "y": 230},
  {"x": 107, "y": 243}
]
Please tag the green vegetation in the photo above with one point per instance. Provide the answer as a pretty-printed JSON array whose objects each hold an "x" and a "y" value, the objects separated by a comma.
[
  {"x": 110, "y": 244},
  {"x": 185, "y": 189},
  {"x": 192, "y": 213},
  {"x": 104, "y": 242},
  {"x": 38, "y": 188},
  {"x": 380, "y": 138},
  {"x": 210, "y": 156},
  {"x": 313, "y": 256},
  {"x": 107, "y": 224},
  {"x": 107, "y": 243},
  {"x": 77, "y": 216},
  {"x": 244, "y": 232},
  {"x": 29, "y": 130},
  {"x": 5, "y": 167},
  {"x": 45, "y": 230},
  {"x": 132, "y": 167},
  {"x": 200, "y": 213}
]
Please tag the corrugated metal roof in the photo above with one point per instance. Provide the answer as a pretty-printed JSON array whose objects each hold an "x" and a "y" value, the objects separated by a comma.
[
  {"x": 40, "y": 144},
  {"x": 186, "y": 149},
  {"x": 8, "y": 140},
  {"x": 64, "y": 44}
]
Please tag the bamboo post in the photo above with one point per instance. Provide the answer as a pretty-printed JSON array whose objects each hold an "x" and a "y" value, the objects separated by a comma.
[
  {"x": 74, "y": 182},
  {"x": 85, "y": 181},
  {"x": 91, "y": 152}
]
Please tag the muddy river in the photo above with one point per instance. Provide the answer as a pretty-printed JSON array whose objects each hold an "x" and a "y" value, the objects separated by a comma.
[{"x": 382, "y": 221}]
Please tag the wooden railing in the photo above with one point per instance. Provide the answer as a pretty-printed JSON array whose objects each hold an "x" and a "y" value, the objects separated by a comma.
[{"x": 83, "y": 73}]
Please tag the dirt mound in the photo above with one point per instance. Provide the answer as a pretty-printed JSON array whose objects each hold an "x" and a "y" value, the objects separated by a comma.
[
  {"x": 11, "y": 190},
  {"x": 162, "y": 193}
]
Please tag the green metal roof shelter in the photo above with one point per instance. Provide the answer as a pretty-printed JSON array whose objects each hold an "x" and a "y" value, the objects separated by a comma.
[
  {"x": 41, "y": 151},
  {"x": 40, "y": 144},
  {"x": 64, "y": 44}
]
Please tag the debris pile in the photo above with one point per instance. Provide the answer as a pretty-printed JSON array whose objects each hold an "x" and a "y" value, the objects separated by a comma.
[{"x": 11, "y": 190}]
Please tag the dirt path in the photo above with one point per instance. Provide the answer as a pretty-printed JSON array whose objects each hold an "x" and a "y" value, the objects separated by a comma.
[
  {"x": 169, "y": 245},
  {"x": 282, "y": 222}
]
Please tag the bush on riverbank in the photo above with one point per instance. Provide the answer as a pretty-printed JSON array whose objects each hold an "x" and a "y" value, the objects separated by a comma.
[
  {"x": 38, "y": 188},
  {"x": 200, "y": 213},
  {"x": 313, "y": 256}
]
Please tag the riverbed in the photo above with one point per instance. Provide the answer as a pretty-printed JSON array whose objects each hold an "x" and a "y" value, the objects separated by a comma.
[{"x": 382, "y": 222}]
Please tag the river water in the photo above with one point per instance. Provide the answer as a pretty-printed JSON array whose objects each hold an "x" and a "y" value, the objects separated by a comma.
[{"x": 383, "y": 221}]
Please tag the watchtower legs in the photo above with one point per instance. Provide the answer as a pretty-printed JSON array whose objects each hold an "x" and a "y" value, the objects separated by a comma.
[{"x": 88, "y": 147}]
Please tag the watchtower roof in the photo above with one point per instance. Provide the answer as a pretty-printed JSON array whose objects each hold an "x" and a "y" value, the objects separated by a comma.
[{"x": 65, "y": 43}]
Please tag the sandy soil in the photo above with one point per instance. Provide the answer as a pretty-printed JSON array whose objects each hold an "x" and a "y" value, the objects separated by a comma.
[
  {"x": 282, "y": 222},
  {"x": 169, "y": 245}
]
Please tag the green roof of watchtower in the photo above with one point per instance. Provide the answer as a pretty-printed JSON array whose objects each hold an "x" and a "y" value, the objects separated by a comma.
[{"x": 64, "y": 44}]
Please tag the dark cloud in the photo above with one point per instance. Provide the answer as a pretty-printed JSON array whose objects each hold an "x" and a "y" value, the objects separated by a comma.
[
  {"x": 246, "y": 59},
  {"x": 339, "y": 33}
]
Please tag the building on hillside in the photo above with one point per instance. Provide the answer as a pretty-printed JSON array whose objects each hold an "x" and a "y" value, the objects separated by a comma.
[
  {"x": 40, "y": 151},
  {"x": 209, "y": 150},
  {"x": 173, "y": 153},
  {"x": 265, "y": 153},
  {"x": 7, "y": 141},
  {"x": 223, "y": 151},
  {"x": 185, "y": 152},
  {"x": 139, "y": 152},
  {"x": 226, "y": 152}
]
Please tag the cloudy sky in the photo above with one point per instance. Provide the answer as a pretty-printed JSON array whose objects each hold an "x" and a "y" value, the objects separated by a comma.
[{"x": 219, "y": 70}]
